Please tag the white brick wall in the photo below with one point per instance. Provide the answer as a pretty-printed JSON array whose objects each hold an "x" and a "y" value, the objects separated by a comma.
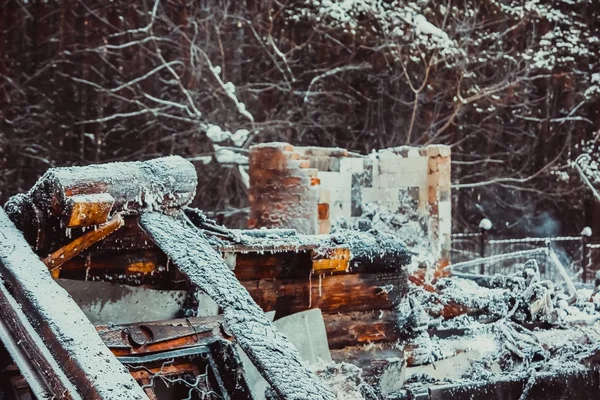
[{"x": 426, "y": 169}]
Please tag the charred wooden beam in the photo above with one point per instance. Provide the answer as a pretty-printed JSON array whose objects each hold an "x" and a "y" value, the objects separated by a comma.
[
  {"x": 84, "y": 196},
  {"x": 117, "y": 260},
  {"x": 65, "y": 253},
  {"x": 65, "y": 330},
  {"x": 273, "y": 355},
  {"x": 44, "y": 376},
  {"x": 152, "y": 337},
  {"x": 361, "y": 328},
  {"x": 330, "y": 293},
  {"x": 281, "y": 265}
]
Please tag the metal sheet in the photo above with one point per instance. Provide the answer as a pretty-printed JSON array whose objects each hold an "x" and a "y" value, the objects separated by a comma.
[{"x": 105, "y": 303}]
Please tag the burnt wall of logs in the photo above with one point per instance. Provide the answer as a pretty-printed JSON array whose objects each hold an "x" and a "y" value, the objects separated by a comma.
[{"x": 84, "y": 224}]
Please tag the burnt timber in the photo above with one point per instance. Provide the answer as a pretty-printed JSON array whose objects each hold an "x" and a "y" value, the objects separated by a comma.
[
  {"x": 127, "y": 223},
  {"x": 66, "y": 332},
  {"x": 261, "y": 341}
]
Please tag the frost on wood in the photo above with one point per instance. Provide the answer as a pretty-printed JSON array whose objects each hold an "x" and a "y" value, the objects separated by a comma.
[
  {"x": 67, "y": 332},
  {"x": 70, "y": 197},
  {"x": 269, "y": 350}
]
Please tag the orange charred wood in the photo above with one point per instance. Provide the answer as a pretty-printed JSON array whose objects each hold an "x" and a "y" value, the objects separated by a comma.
[
  {"x": 88, "y": 209},
  {"x": 125, "y": 262},
  {"x": 60, "y": 256},
  {"x": 334, "y": 260},
  {"x": 151, "y": 337}
]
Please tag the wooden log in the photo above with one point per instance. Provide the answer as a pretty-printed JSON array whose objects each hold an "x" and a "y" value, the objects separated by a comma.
[
  {"x": 254, "y": 266},
  {"x": 60, "y": 256},
  {"x": 162, "y": 183},
  {"x": 277, "y": 360},
  {"x": 118, "y": 261},
  {"x": 330, "y": 293},
  {"x": 43, "y": 373},
  {"x": 65, "y": 330},
  {"x": 361, "y": 327},
  {"x": 130, "y": 237},
  {"x": 60, "y": 197}
]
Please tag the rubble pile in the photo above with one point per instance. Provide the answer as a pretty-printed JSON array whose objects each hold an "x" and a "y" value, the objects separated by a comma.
[
  {"x": 112, "y": 287},
  {"x": 513, "y": 329}
]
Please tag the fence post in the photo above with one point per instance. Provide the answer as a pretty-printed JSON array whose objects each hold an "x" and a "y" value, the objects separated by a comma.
[
  {"x": 586, "y": 233},
  {"x": 484, "y": 226},
  {"x": 482, "y": 234}
]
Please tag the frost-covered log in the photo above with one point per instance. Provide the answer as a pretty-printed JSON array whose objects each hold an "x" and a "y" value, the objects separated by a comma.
[
  {"x": 44, "y": 376},
  {"x": 76, "y": 197},
  {"x": 269, "y": 350},
  {"x": 330, "y": 293},
  {"x": 65, "y": 330}
]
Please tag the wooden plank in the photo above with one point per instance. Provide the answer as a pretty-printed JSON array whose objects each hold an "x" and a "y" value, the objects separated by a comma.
[
  {"x": 152, "y": 337},
  {"x": 43, "y": 373},
  {"x": 361, "y": 327},
  {"x": 65, "y": 253},
  {"x": 253, "y": 266},
  {"x": 65, "y": 330},
  {"x": 276, "y": 359},
  {"x": 330, "y": 293}
]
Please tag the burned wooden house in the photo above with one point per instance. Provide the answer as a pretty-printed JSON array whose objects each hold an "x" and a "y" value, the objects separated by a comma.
[{"x": 113, "y": 288}]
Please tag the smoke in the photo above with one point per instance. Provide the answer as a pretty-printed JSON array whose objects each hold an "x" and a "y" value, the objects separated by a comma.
[{"x": 542, "y": 224}]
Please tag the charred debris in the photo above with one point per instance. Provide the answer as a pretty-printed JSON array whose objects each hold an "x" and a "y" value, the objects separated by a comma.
[{"x": 113, "y": 288}]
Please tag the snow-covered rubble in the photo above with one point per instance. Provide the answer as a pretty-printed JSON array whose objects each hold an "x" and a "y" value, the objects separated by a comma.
[{"x": 509, "y": 328}]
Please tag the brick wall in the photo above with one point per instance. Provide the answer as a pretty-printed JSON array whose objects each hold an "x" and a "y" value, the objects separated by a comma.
[{"x": 343, "y": 183}]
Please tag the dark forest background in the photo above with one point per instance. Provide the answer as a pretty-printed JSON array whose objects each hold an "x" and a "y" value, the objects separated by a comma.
[{"x": 512, "y": 86}]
